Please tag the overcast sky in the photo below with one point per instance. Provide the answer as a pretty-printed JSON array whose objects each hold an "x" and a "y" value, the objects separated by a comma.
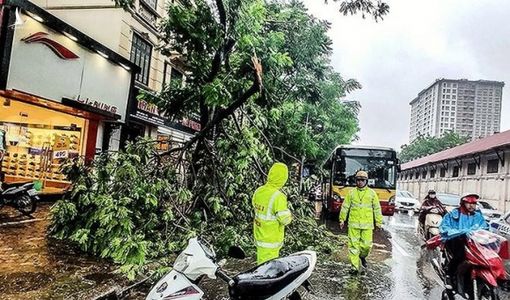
[{"x": 418, "y": 42}]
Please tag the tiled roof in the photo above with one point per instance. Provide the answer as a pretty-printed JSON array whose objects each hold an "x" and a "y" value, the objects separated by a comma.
[{"x": 495, "y": 141}]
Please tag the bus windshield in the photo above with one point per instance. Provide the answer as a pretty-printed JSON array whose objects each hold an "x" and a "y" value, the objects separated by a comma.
[{"x": 379, "y": 164}]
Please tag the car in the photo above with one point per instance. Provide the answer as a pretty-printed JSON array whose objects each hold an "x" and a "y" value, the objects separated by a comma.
[
  {"x": 450, "y": 201},
  {"x": 501, "y": 225},
  {"x": 405, "y": 201},
  {"x": 488, "y": 212}
]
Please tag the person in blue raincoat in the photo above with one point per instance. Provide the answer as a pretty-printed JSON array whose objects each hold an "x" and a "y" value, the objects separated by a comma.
[{"x": 454, "y": 227}]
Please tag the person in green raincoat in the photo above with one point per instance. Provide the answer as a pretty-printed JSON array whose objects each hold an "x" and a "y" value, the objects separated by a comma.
[
  {"x": 362, "y": 210},
  {"x": 271, "y": 214}
]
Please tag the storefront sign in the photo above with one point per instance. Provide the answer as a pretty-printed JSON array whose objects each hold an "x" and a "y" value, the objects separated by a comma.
[
  {"x": 99, "y": 105},
  {"x": 191, "y": 124},
  {"x": 35, "y": 69},
  {"x": 148, "y": 107},
  {"x": 148, "y": 112}
]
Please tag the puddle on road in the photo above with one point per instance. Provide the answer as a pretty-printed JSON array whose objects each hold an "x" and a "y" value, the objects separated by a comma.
[{"x": 33, "y": 266}]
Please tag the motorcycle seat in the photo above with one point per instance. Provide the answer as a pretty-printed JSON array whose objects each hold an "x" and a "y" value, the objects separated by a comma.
[
  {"x": 269, "y": 278},
  {"x": 6, "y": 185}
]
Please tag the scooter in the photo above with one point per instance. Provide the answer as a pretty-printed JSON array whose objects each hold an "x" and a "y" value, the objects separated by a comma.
[
  {"x": 22, "y": 196},
  {"x": 478, "y": 276},
  {"x": 430, "y": 227},
  {"x": 276, "y": 279}
]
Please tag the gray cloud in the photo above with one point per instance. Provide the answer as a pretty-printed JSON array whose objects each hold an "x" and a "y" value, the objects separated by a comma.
[{"x": 419, "y": 41}]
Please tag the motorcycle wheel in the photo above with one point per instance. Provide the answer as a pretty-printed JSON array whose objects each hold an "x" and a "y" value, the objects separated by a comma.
[
  {"x": 295, "y": 296},
  {"x": 482, "y": 291},
  {"x": 447, "y": 295},
  {"x": 26, "y": 205}
]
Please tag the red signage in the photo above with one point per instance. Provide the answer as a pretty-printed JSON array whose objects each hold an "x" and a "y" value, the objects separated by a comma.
[
  {"x": 191, "y": 124},
  {"x": 57, "y": 48}
]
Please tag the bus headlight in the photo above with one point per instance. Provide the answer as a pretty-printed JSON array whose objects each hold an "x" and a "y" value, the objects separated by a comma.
[
  {"x": 337, "y": 198},
  {"x": 391, "y": 201}
]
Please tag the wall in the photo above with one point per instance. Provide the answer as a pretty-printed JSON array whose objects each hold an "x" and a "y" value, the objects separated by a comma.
[
  {"x": 113, "y": 27},
  {"x": 494, "y": 188},
  {"x": 37, "y": 70}
]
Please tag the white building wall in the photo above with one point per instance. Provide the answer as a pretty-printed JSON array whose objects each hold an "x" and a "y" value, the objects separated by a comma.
[{"x": 493, "y": 188}]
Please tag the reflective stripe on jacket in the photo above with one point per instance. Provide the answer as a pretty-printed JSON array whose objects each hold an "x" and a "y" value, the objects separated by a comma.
[
  {"x": 361, "y": 209},
  {"x": 271, "y": 211}
]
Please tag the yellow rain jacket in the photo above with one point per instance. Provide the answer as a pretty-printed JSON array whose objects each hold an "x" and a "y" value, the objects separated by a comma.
[
  {"x": 362, "y": 209},
  {"x": 271, "y": 214}
]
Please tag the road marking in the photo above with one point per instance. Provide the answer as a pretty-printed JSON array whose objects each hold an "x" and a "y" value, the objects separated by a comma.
[
  {"x": 402, "y": 225},
  {"x": 400, "y": 249}
]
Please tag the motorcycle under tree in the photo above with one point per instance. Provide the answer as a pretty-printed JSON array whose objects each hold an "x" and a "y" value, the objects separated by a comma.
[
  {"x": 276, "y": 279},
  {"x": 480, "y": 273}
]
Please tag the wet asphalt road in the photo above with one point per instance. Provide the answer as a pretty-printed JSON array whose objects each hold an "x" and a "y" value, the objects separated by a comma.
[
  {"x": 412, "y": 274},
  {"x": 35, "y": 267}
]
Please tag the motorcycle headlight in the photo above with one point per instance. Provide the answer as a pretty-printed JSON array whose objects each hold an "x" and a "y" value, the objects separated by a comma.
[{"x": 182, "y": 262}]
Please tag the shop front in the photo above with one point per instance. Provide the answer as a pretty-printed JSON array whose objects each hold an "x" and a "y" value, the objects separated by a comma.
[
  {"x": 154, "y": 124},
  {"x": 62, "y": 95}
]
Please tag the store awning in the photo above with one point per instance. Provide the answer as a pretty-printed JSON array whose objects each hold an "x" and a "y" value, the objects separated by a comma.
[{"x": 75, "y": 111}]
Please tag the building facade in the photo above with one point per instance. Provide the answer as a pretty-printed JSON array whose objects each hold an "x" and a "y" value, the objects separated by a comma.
[
  {"x": 56, "y": 96},
  {"x": 469, "y": 108},
  {"x": 133, "y": 33},
  {"x": 481, "y": 166}
]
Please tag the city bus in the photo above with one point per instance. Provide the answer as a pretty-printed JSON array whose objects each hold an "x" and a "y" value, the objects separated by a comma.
[{"x": 340, "y": 168}]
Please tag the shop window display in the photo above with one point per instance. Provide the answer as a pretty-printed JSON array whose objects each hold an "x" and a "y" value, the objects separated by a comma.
[
  {"x": 38, "y": 142},
  {"x": 38, "y": 153}
]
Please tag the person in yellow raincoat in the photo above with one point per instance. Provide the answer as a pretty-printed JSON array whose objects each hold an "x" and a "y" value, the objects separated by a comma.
[
  {"x": 362, "y": 210},
  {"x": 271, "y": 214}
]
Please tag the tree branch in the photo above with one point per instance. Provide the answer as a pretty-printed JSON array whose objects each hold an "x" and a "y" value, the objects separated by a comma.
[{"x": 220, "y": 116}]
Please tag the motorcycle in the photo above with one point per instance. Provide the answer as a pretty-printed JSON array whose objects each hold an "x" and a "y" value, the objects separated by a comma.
[
  {"x": 430, "y": 227},
  {"x": 479, "y": 275},
  {"x": 276, "y": 279},
  {"x": 22, "y": 196}
]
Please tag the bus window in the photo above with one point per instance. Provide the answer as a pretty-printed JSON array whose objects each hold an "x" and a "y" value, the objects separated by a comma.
[{"x": 381, "y": 171}]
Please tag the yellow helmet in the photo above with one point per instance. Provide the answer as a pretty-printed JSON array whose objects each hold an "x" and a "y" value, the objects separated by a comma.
[{"x": 361, "y": 175}]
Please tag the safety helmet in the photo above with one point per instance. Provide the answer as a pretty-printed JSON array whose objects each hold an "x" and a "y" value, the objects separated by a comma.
[
  {"x": 470, "y": 198},
  {"x": 431, "y": 192},
  {"x": 361, "y": 175}
]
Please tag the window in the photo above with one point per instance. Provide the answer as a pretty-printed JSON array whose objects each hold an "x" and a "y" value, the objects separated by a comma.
[
  {"x": 176, "y": 79},
  {"x": 151, "y": 3},
  {"x": 455, "y": 171},
  {"x": 167, "y": 70},
  {"x": 471, "y": 169},
  {"x": 442, "y": 172},
  {"x": 417, "y": 175},
  {"x": 433, "y": 173},
  {"x": 492, "y": 166},
  {"x": 141, "y": 52},
  {"x": 424, "y": 174}
]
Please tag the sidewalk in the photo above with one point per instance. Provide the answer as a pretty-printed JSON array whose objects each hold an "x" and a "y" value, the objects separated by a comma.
[{"x": 33, "y": 266}]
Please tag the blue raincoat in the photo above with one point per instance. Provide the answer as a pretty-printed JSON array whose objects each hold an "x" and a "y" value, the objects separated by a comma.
[{"x": 456, "y": 224}]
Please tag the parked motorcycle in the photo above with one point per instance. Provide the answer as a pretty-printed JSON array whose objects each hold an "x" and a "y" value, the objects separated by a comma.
[
  {"x": 22, "y": 196},
  {"x": 430, "y": 227},
  {"x": 275, "y": 279},
  {"x": 478, "y": 276}
]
